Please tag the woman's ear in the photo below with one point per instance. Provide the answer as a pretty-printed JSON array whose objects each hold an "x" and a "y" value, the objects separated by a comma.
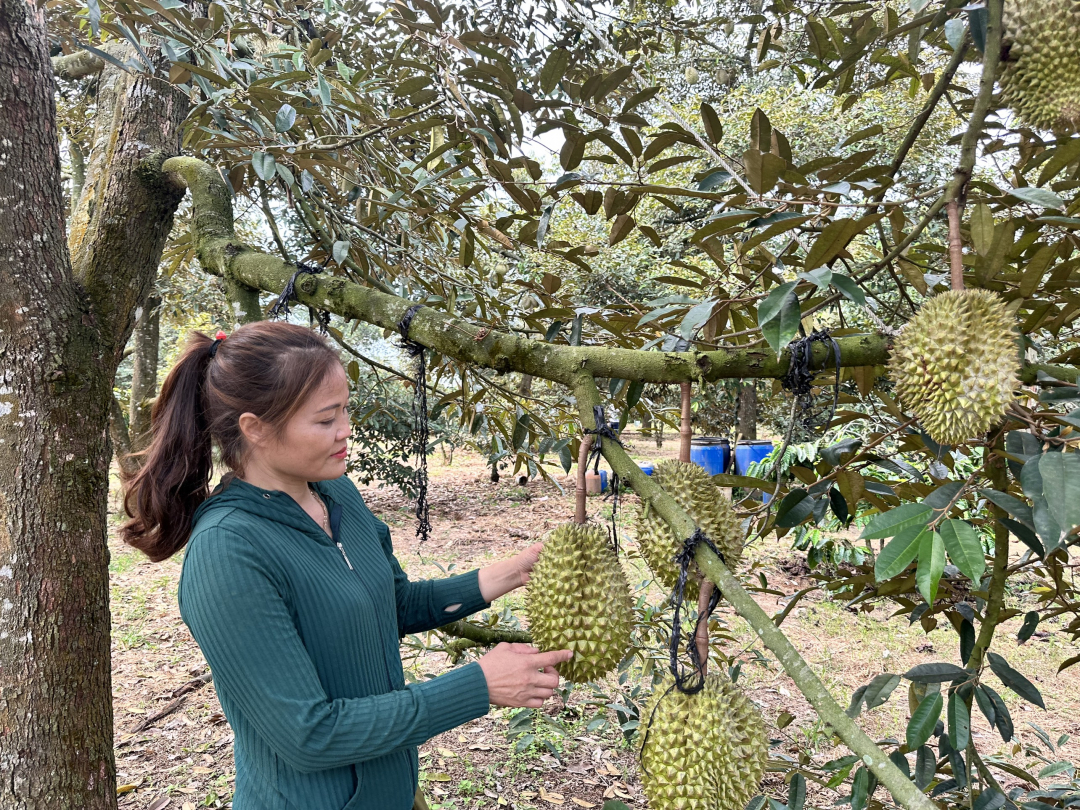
[{"x": 253, "y": 429}]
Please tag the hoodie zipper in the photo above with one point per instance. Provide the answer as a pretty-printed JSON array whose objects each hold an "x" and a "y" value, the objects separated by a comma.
[{"x": 341, "y": 548}]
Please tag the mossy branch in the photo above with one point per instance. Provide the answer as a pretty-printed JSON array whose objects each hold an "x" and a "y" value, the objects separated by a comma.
[
  {"x": 485, "y": 635},
  {"x": 222, "y": 254},
  {"x": 904, "y": 791}
]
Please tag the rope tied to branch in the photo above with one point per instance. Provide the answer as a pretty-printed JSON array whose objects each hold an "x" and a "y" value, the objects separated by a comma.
[
  {"x": 689, "y": 683},
  {"x": 420, "y": 422},
  {"x": 280, "y": 309},
  {"x": 603, "y": 431},
  {"x": 692, "y": 682},
  {"x": 799, "y": 377}
]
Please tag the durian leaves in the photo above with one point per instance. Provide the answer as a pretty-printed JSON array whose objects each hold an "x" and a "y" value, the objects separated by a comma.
[
  {"x": 779, "y": 316},
  {"x": 891, "y": 523},
  {"x": 923, "y": 720},
  {"x": 931, "y": 565},
  {"x": 899, "y": 553},
  {"x": 1060, "y": 474},
  {"x": 964, "y": 548}
]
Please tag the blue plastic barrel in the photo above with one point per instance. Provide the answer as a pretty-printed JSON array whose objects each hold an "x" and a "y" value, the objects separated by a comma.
[
  {"x": 603, "y": 480},
  {"x": 711, "y": 453},
  {"x": 646, "y": 468},
  {"x": 749, "y": 452}
]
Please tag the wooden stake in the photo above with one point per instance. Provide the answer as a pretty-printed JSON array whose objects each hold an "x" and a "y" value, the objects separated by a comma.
[
  {"x": 956, "y": 247},
  {"x": 701, "y": 635},
  {"x": 580, "y": 516},
  {"x": 686, "y": 432}
]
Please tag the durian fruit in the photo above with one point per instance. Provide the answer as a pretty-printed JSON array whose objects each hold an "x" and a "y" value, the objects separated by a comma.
[
  {"x": 956, "y": 363},
  {"x": 578, "y": 598},
  {"x": 705, "y": 751},
  {"x": 691, "y": 75},
  {"x": 1040, "y": 78},
  {"x": 694, "y": 490}
]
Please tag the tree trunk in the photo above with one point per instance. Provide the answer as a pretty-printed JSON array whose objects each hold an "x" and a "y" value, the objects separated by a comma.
[
  {"x": 144, "y": 373},
  {"x": 63, "y": 327},
  {"x": 746, "y": 412},
  {"x": 525, "y": 386},
  {"x": 55, "y": 383}
]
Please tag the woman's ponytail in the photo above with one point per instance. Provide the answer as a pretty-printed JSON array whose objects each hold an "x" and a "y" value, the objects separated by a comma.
[
  {"x": 267, "y": 368},
  {"x": 174, "y": 475}
]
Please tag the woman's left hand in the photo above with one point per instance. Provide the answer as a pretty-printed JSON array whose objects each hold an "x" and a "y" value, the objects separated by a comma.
[{"x": 527, "y": 559}]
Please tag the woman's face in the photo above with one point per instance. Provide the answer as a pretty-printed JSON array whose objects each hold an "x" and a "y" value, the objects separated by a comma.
[{"x": 313, "y": 446}]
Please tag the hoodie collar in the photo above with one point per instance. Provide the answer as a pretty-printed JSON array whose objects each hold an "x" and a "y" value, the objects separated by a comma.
[{"x": 266, "y": 504}]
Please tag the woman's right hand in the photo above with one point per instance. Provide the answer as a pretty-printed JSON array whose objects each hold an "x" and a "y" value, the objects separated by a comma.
[{"x": 519, "y": 675}]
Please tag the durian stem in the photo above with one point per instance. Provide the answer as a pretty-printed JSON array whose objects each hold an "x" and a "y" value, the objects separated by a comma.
[
  {"x": 485, "y": 635},
  {"x": 686, "y": 429},
  {"x": 903, "y": 790},
  {"x": 580, "y": 515},
  {"x": 956, "y": 247}
]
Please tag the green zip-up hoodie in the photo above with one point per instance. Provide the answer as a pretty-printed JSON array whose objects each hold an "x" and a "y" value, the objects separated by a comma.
[{"x": 304, "y": 649}]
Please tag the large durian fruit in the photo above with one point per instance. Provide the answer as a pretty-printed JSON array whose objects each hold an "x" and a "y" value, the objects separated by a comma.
[
  {"x": 578, "y": 598},
  {"x": 956, "y": 364},
  {"x": 693, "y": 489},
  {"x": 1040, "y": 78},
  {"x": 705, "y": 751}
]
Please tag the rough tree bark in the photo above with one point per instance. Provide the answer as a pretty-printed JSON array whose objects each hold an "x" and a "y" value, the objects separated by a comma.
[
  {"x": 746, "y": 412},
  {"x": 62, "y": 330},
  {"x": 144, "y": 372}
]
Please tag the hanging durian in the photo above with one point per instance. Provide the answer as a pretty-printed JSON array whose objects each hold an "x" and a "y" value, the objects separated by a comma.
[
  {"x": 705, "y": 751},
  {"x": 956, "y": 364},
  {"x": 693, "y": 489},
  {"x": 579, "y": 599},
  {"x": 1040, "y": 76}
]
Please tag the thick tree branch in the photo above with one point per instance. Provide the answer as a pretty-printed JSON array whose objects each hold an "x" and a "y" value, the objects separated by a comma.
[
  {"x": 223, "y": 254},
  {"x": 485, "y": 635},
  {"x": 903, "y": 789}
]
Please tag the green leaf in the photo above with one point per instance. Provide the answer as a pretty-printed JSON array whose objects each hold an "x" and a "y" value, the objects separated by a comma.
[
  {"x": 714, "y": 131},
  {"x": 553, "y": 71},
  {"x": 1031, "y": 621},
  {"x": 831, "y": 242},
  {"x": 286, "y": 117},
  {"x": 770, "y": 308},
  {"x": 264, "y": 165},
  {"x": 566, "y": 458},
  {"x": 931, "y": 565},
  {"x": 1014, "y": 680},
  {"x": 633, "y": 393},
  {"x": 938, "y": 672},
  {"x": 1002, "y": 718},
  {"x": 986, "y": 705},
  {"x": 1042, "y": 197},
  {"x": 1054, "y": 768},
  {"x": 1011, "y": 504},
  {"x": 925, "y": 767},
  {"x": 959, "y": 721},
  {"x": 1060, "y": 474},
  {"x": 849, "y": 289},
  {"x": 891, "y": 523},
  {"x": 898, "y": 554},
  {"x": 779, "y": 316},
  {"x": 922, "y": 722},
  {"x": 797, "y": 792},
  {"x": 964, "y": 547},
  {"x": 879, "y": 689},
  {"x": 860, "y": 788},
  {"x": 324, "y": 91},
  {"x": 794, "y": 509},
  {"x": 990, "y": 799},
  {"x": 341, "y": 250}
]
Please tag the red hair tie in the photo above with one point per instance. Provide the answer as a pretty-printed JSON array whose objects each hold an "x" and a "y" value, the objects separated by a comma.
[{"x": 220, "y": 336}]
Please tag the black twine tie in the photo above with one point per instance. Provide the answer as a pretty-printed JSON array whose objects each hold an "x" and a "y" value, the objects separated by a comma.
[
  {"x": 798, "y": 378},
  {"x": 689, "y": 683},
  {"x": 280, "y": 309},
  {"x": 685, "y": 682},
  {"x": 420, "y": 422},
  {"x": 603, "y": 431}
]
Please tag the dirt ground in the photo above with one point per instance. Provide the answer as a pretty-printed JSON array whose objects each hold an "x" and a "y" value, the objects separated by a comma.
[{"x": 174, "y": 748}]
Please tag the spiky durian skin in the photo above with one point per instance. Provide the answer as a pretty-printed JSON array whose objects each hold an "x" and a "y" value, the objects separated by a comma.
[
  {"x": 705, "y": 751},
  {"x": 956, "y": 364},
  {"x": 1040, "y": 78},
  {"x": 694, "y": 490},
  {"x": 578, "y": 598}
]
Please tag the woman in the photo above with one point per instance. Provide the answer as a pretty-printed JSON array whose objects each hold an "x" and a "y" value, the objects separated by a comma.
[{"x": 290, "y": 586}]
